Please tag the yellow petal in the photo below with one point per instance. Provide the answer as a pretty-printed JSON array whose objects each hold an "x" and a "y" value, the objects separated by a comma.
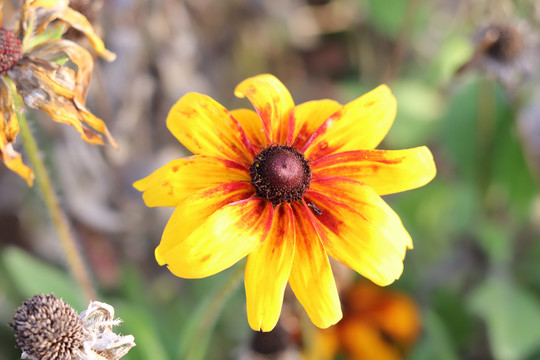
[
  {"x": 48, "y": 3},
  {"x": 309, "y": 116},
  {"x": 360, "y": 229},
  {"x": 360, "y": 124},
  {"x": 79, "y": 22},
  {"x": 195, "y": 209},
  {"x": 252, "y": 125},
  {"x": 311, "y": 275},
  {"x": 273, "y": 103},
  {"x": 73, "y": 18},
  {"x": 386, "y": 172},
  {"x": 207, "y": 128},
  {"x": 228, "y": 235},
  {"x": 13, "y": 162},
  {"x": 267, "y": 272},
  {"x": 170, "y": 184},
  {"x": 9, "y": 128}
]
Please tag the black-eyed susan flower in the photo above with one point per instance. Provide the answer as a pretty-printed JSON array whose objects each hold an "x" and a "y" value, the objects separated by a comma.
[
  {"x": 378, "y": 323},
  {"x": 286, "y": 186},
  {"x": 29, "y": 65}
]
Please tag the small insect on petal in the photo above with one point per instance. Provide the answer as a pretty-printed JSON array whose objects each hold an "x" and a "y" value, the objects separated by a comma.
[{"x": 315, "y": 209}]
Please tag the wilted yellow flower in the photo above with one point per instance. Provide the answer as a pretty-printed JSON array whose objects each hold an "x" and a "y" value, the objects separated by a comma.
[
  {"x": 30, "y": 63},
  {"x": 286, "y": 186}
]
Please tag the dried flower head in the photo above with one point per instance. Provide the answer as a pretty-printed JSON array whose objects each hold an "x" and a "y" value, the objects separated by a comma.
[
  {"x": 102, "y": 343},
  {"x": 34, "y": 62},
  {"x": 46, "y": 328},
  {"x": 502, "y": 43}
]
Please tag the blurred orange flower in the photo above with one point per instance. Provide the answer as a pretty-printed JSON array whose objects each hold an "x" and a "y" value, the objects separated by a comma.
[
  {"x": 287, "y": 186},
  {"x": 378, "y": 324},
  {"x": 31, "y": 64}
]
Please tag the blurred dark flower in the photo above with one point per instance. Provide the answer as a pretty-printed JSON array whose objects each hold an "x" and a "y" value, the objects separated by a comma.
[
  {"x": 506, "y": 50},
  {"x": 33, "y": 63},
  {"x": 46, "y": 328}
]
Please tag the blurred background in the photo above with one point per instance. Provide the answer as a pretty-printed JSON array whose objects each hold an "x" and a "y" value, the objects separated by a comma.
[{"x": 465, "y": 75}]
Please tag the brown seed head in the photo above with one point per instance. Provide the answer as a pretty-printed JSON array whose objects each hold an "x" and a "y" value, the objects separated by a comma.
[
  {"x": 10, "y": 50},
  {"x": 502, "y": 43},
  {"x": 281, "y": 174},
  {"x": 47, "y": 328}
]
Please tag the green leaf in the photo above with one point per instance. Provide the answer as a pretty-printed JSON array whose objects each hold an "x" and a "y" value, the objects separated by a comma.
[
  {"x": 496, "y": 239},
  {"x": 512, "y": 179},
  {"x": 451, "y": 308},
  {"x": 435, "y": 343},
  {"x": 32, "y": 276},
  {"x": 418, "y": 108},
  {"x": 455, "y": 50},
  {"x": 199, "y": 328},
  {"x": 387, "y": 15},
  {"x": 512, "y": 315},
  {"x": 139, "y": 322},
  {"x": 459, "y": 131}
]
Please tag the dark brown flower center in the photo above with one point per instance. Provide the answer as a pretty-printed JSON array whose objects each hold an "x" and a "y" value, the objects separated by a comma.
[
  {"x": 45, "y": 327},
  {"x": 10, "y": 50},
  {"x": 281, "y": 174},
  {"x": 504, "y": 43}
]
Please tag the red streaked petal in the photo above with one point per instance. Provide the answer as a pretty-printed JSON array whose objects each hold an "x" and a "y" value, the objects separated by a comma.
[
  {"x": 360, "y": 124},
  {"x": 195, "y": 209},
  {"x": 207, "y": 128},
  {"x": 228, "y": 235},
  {"x": 273, "y": 103},
  {"x": 311, "y": 275},
  {"x": 267, "y": 272},
  {"x": 309, "y": 116},
  {"x": 171, "y": 183},
  {"x": 359, "y": 229},
  {"x": 385, "y": 171},
  {"x": 252, "y": 125}
]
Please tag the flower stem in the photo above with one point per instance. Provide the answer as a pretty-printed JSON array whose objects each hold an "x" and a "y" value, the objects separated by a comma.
[
  {"x": 58, "y": 217},
  {"x": 199, "y": 328}
]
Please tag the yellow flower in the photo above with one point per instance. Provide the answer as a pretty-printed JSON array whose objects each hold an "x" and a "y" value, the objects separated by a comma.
[
  {"x": 27, "y": 65},
  {"x": 378, "y": 324},
  {"x": 286, "y": 186}
]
